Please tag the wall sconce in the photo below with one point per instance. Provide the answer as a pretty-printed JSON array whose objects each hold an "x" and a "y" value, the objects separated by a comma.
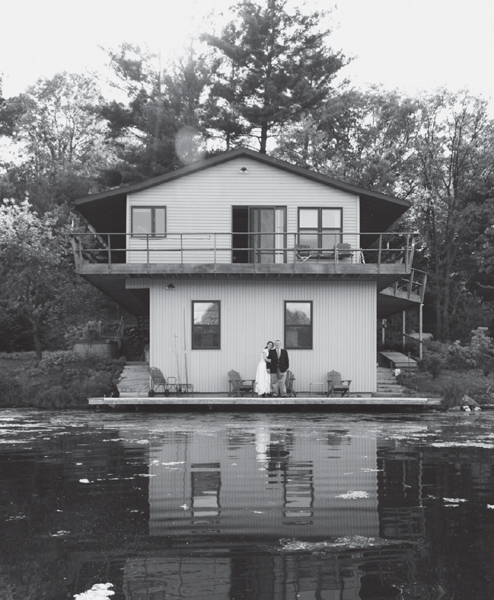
[
  {"x": 170, "y": 287},
  {"x": 243, "y": 169}
]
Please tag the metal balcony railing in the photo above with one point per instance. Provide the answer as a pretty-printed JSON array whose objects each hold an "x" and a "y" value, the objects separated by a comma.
[{"x": 239, "y": 247}]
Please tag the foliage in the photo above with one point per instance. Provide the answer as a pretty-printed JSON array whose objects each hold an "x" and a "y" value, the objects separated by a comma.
[
  {"x": 46, "y": 385},
  {"x": 479, "y": 353},
  {"x": 365, "y": 137},
  {"x": 33, "y": 277},
  {"x": 59, "y": 139},
  {"x": 452, "y": 393},
  {"x": 434, "y": 359},
  {"x": 59, "y": 358},
  {"x": 159, "y": 128},
  {"x": 272, "y": 67},
  {"x": 465, "y": 381},
  {"x": 453, "y": 146}
]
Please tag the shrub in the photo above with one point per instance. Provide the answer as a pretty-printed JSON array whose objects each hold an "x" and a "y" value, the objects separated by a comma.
[
  {"x": 53, "y": 397},
  {"x": 58, "y": 358},
  {"x": 10, "y": 390},
  {"x": 479, "y": 353},
  {"x": 452, "y": 393},
  {"x": 435, "y": 358}
]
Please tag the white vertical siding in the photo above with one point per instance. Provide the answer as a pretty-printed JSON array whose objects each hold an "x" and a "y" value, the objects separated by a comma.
[
  {"x": 202, "y": 203},
  {"x": 252, "y": 312}
]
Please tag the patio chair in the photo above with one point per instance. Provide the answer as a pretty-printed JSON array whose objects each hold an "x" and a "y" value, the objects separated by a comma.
[
  {"x": 290, "y": 378},
  {"x": 303, "y": 251},
  {"x": 344, "y": 250},
  {"x": 157, "y": 381},
  {"x": 337, "y": 385},
  {"x": 239, "y": 386}
]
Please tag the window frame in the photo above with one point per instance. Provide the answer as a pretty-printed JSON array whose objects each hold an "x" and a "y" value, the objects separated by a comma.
[
  {"x": 311, "y": 326},
  {"x": 321, "y": 231},
  {"x": 152, "y": 233},
  {"x": 193, "y": 325}
]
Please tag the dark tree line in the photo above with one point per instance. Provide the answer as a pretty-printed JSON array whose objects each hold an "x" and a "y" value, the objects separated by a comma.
[{"x": 266, "y": 80}]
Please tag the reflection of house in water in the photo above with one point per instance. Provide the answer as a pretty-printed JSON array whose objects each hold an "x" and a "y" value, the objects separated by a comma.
[
  {"x": 227, "y": 503},
  {"x": 400, "y": 485},
  {"x": 278, "y": 486}
]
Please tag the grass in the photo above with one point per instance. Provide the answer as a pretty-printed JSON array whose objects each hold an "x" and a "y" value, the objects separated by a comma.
[
  {"x": 452, "y": 385},
  {"x": 23, "y": 383}
]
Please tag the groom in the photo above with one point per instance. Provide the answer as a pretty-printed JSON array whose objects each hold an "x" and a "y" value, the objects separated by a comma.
[{"x": 278, "y": 367}]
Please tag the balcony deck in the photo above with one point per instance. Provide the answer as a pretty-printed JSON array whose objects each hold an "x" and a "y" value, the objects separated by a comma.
[{"x": 108, "y": 260}]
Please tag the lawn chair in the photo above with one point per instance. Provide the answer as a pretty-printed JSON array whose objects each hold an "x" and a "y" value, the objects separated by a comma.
[
  {"x": 239, "y": 386},
  {"x": 290, "y": 378},
  {"x": 344, "y": 250},
  {"x": 336, "y": 385},
  {"x": 157, "y": 381},
  {"x": 303, "y": 251}
]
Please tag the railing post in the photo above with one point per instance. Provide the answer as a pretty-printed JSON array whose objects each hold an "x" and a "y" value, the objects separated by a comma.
[
  {"x": 410, "y": 283},
  {"x": 214, "y": 234},
  {"x": 182, "y": 249},
  {"x": 379, "y": 253},
  {"x": 108, "y": 246}
]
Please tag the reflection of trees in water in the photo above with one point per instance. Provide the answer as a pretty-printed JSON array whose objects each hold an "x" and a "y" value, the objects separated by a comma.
[{"x": 49, "y": 511}]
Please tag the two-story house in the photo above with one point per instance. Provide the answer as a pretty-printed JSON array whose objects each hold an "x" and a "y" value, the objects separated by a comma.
[{"x": 239, "y": 249}]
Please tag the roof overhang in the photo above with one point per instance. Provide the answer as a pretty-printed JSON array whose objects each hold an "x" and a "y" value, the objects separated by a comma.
[{"x": 106, "y": 211}]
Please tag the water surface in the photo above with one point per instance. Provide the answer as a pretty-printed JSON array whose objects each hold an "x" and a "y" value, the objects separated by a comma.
[{"x": 235, "y": 506}]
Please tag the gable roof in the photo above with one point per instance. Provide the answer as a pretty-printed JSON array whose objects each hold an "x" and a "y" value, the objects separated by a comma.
[{"x": 105, "y": 211}]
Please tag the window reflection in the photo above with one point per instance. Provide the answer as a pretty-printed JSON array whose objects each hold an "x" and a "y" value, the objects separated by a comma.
[
  {"x": 205, "y": 490},
  {"x": 298, "y": 494}
]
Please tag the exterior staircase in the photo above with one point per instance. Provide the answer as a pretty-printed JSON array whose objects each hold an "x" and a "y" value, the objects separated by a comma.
[
  {"x": 387, "y": 386},
  {"x": 134, "y": 381}
]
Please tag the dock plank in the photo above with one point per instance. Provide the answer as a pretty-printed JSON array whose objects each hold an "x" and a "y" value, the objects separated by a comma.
[{"x": 191, "y": 402}]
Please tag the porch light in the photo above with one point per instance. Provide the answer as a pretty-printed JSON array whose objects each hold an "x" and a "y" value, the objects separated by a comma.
[
  {"x": 243, "y": 169},
  {"x": 170, "y": 287}
]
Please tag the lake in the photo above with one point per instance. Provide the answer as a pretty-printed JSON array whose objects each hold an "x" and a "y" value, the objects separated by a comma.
[{"x": 323, "y": 506}]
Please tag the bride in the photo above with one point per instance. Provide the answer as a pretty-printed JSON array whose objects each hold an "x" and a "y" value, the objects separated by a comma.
[{"x": 263, "y": 376}]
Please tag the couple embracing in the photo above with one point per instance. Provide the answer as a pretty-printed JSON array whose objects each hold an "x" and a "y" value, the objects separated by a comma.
[{"x": 271, "y": 371}]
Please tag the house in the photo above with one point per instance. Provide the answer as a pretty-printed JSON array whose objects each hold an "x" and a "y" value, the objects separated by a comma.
[{"x": 242, "y": 248}]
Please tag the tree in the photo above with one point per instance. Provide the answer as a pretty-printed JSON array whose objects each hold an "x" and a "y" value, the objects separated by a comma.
[
  {"x": 366, "y": 138},
  {"x": 272, "y": 67},
  {"x": 455, "y": 176},
  {"x": 59, "y": 137},
  {"x": 161, "y": 107},
  {"x": 35, "y": 273}
]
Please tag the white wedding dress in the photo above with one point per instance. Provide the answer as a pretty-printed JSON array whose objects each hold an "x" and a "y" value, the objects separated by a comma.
[{"x": 263, "y": 376}]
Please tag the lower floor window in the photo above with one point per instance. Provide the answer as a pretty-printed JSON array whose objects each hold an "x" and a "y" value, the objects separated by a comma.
[
  {"x": 298, "y": 325},
  {"x": 206, "y": 325}
]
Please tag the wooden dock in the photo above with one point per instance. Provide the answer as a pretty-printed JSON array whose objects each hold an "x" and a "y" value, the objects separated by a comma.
[{"x": 258, "y": 404}]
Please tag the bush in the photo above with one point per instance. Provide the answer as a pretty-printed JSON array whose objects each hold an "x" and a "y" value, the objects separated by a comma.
[
  {"x": 58, "y": 358},
  {"x": 479, "y": 353},
  {"x": 11, "y": 391},
  {"x": 452, "y": 393},
  {"x": 435, "y": 358}
]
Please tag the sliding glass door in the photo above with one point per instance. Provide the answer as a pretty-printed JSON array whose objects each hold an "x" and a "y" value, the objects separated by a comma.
[{"x": 267, "y": 229}]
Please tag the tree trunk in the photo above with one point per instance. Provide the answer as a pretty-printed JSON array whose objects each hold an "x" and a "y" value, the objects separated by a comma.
[{"x": 264, "y": 138}]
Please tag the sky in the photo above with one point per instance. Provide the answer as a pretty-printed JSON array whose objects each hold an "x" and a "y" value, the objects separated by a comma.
[{"x": 410, "y": 45}]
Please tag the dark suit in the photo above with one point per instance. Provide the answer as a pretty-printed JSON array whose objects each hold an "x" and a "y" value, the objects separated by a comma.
[{"x": 278, "y": 368}]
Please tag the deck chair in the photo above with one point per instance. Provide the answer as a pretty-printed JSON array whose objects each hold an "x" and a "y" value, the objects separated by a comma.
[
  {"x": 343, "y": 250},
  {"x": 337, "y": 385},
  {"x": 157, "y": 381},
  {"x": 303, "y": 251},
  {"x": 239, "y": 386},
  {"x": 290, "y": 378}
]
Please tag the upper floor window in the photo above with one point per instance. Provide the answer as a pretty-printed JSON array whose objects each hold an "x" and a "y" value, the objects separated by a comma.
[
  {"x": 298, "y": 325},
  {"x": 206, "y": 325},
  {"x": 148, "y": 219},
  {"x": 320, "y": 227}
]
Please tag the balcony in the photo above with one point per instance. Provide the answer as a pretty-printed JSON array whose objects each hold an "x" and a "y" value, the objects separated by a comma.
[{"x": 108, "y": 259}]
